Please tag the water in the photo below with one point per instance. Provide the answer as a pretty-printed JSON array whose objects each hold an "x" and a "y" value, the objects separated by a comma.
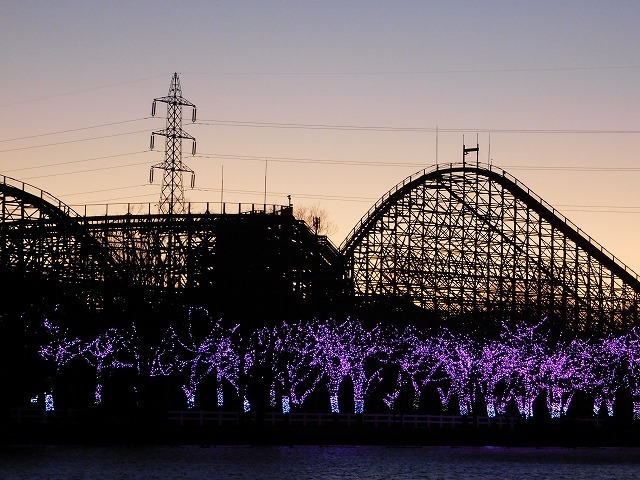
[{"x": 313, "y": 462}]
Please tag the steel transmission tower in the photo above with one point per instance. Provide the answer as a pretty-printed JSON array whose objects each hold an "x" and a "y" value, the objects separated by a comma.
[{"x": 172, "y": 195}]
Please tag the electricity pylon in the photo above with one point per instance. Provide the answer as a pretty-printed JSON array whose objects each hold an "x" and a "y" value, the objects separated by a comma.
[{"x": 172, "y": 195}]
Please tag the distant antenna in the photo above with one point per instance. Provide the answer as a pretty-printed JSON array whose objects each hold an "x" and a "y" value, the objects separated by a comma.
[
  {"x": 172, "y": 194},
  {"x": 466, "y": 151},
  {"x": 266, "y": 164},
  {"x": 222, "y": 190},
  {"x": 436, "y": 145}
]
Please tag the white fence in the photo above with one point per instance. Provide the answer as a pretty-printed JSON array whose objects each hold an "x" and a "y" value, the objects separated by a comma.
[{"x": 205, "y": 418}]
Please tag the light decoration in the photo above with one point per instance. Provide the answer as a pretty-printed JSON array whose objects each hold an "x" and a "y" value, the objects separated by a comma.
[
  {"x": 198, "y": 357},
  {"x": 333, "y": 402},
  {"x": 61, "y": 350},
  {"x": 528, "y": 350},
  {"x": 633, "y": 373},
  {"x": 419, "y": 359},
  {"x": 610, "y": 369},
  {"x": 286, "y": 405},
  {"x": 296, "y": 367},
  {"x": 48, "y": 402},
  {"x": 342, "y": 349},
  {"x": 459, "y": 356},
  {"x": 110, "y": 351},
  {"x": 220, "y": 395},
  {"x": 563, "y": 372},
  {"x": 272, "y": 396},
  {"x": 259, "y": 362},
  {"x": 494, "y": 374},
  {"x": 294, "y": 358}
]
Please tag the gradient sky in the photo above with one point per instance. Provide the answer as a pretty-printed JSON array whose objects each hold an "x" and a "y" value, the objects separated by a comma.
[{"x": 513, "y": 67}]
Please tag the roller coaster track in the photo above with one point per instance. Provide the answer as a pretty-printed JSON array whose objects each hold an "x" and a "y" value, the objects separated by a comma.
[
  {"x": 470, "y": 238},
  {"x": 40, "y": 234},
  {"x": 243, "y": 251}
]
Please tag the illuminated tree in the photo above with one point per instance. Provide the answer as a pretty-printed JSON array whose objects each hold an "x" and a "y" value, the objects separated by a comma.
[
  {"x": 611, "y": 368},
  {"x": 633, "y": 375},
  {"x": 497, "y": 363},
  {"x": 62, "y": 348},
  {"x": 296, "y": 368},
  {"x": 110, "y": 351},
  {"x": 460, "y": 359},
  {"x": 199, "y": 358},
  {"x": 342, "y": 349},
  {"x": 529, "y": 352},
  {"x": 418, "y": 358},
  {"x": 565, "y": 370}
]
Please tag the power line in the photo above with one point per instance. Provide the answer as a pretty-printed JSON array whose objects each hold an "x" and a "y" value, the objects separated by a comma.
[
  {"x": 74, "y": 141},
  {"x": 75, "y": 161},
  {"x": 299, "y": 195},
  {"x": 568, "y": 168},
  {"x": 101, "y": 202},
  {"x": 600, "y": 206},
  {"x": 335, "y": 73},
  {"x": 86, "y": 171},
  {"x": 418, "y": 72},
  {"x": 574, "y": 208},
  {"x": 74, "y": 130},
  {"x": 379, "y": 128},
  {"x": 317, "y": 161},
  {"x": 104, "y": 190},
  {"x": 602, "y": 211},
  {"x": 76, "y": 92},
  {"x": 326, "y": 161},
  {"x": 255, "y": 158}
]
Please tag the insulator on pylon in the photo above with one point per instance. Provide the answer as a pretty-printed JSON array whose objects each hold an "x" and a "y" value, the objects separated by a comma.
[
  {"x": 193, "y": 148},
  {"x": 151, "y": 175},
  {"x": 193, "y": 180},
  {"x": 152, "y": 141},
  {"x": 193, "y": 115},
  {"x": 153, "y": 109}
]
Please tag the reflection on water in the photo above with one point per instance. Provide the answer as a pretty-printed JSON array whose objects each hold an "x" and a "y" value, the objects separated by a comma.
[{"x": 313, "y": 462}]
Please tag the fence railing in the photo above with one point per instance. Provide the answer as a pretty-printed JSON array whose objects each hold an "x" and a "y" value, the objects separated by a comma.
[
  {"x": 190, "y": 208},
  {"x": 37, "y": 192},
  {"x": 212, "y": 418},
  {"x": 205, "y": 418}
]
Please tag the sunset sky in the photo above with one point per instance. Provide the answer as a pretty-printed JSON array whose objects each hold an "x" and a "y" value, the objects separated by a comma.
[{"x": 278, "y": 82}]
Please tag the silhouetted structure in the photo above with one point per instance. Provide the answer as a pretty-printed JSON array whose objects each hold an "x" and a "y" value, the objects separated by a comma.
[
  {"x": 452, "y": 240},
  {"x": 463, "y": 239}
]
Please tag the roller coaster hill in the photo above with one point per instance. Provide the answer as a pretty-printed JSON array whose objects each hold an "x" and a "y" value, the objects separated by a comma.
[
  {"x": 460, "y": 246},
  {"x": 455, "y": 241}
]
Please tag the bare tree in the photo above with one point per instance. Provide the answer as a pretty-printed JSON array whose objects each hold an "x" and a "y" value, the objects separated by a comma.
[{"x": 316, "y": 218}]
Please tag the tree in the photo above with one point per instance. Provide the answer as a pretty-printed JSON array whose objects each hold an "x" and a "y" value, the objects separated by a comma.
[
  {"x": 316, "y": 218},
  {"x": 198, "y": 356}
]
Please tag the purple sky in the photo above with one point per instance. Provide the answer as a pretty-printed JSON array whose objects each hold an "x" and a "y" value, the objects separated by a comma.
[{"x": 524, "y": 66}]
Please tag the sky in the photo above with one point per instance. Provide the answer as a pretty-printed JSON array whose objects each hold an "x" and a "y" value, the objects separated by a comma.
[{"x": 299, "y": 89}]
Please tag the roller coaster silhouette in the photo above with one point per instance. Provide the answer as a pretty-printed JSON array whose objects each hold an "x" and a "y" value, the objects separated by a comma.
[{"x": 452, "y": 241}]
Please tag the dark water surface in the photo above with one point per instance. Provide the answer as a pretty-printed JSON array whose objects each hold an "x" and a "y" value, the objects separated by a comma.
[{"x": 313, "y": 462}]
